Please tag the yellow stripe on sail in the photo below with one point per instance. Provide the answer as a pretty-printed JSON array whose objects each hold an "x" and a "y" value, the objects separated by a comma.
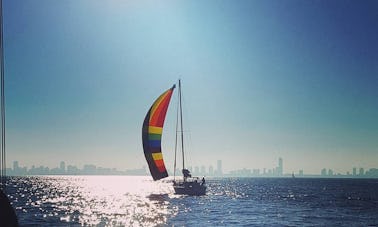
[
  {"x": 155, "y": 130},
  {"x": 157, "y": 156}
]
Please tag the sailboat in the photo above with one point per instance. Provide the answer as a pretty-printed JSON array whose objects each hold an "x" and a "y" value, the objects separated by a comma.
[{"x": 151, "y": 136}]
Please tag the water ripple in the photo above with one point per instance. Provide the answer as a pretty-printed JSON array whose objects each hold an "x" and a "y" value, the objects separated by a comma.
[{"x": 139, "y": 201}]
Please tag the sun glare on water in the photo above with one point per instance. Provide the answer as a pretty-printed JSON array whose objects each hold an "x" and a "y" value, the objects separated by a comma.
[{"x": 102, "y": 200}]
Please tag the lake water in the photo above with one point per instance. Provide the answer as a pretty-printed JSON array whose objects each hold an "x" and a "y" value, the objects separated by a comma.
[{"x": 139, "y": 201}]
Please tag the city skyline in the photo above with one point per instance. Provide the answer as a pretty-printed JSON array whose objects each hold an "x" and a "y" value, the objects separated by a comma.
[
  {"x": 261, "y": 80},
  {"x": 209, "y": 171}
]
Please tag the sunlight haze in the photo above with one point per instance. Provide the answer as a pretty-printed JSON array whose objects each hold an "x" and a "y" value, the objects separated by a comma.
[{"x": 261, "y": 80}]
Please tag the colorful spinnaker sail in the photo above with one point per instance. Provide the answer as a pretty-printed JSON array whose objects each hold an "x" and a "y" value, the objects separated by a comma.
[{"x": 151, "y": 134}]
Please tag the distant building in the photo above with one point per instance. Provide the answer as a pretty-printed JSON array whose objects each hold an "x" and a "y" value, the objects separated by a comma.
[
  {"x": 330, "y": 172},
  {"x": 17, "y": 170},
  {"x": 373, "y": 172},
  {"x": 324, "y": 172},
  {"x": 39, "y": 170},
  {"x": 211, "y": 171},
  {"x": 354, "y": 171},
  {"x": 90, "y": 169},
  {"x": 301, "y": 172},
  {"x": 219, "y": 168},
  {"x": 55, "y": 171},
  {"x": 134, "y": 172},
  {"x": 274, "y": 171},
  {"x": 196, "y": 171},
  {"x": 280, "y": 167},
  {"x": 241, "y": 172},
  {"x": 62, "y": 167},
  {"x": 203, "y": 170},
  {"x": 72, "y": 170},
  {"x": 270, "y": 172},
  {"x": 256, "y": 172},
  {"x": 15, "y": 166},
  {"x": 361, "y": 172}
]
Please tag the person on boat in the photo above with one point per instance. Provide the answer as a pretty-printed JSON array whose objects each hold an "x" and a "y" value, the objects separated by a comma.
[
  {"x": 203, "y": 180},
  {"x": 186, "y": 173}
]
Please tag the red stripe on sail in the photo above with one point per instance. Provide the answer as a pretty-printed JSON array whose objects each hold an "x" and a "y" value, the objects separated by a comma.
[
  {"x": 158, "y": 118},
  {"x": 160, "y": 165}
]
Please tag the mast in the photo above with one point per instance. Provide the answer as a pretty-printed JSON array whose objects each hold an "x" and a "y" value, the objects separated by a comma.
[
  {"x": 177, "y": 117},
  {"x": 182, "y": 128}
]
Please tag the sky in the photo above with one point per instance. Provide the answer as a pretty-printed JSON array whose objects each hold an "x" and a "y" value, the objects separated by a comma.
[{"x": 261, "y": 80}]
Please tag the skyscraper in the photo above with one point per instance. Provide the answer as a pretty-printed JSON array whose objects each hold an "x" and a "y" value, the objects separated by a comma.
[
  {"x": 280, "y": 167},
  {"x": 361, "y": 172},
  {"x": 62, "y": 167},
  {"x": 324, "y": 172},
  {"x": 15, "y": 166},
  {"x": 330, "y": 172},
  {"x": 219, "y": 168}
]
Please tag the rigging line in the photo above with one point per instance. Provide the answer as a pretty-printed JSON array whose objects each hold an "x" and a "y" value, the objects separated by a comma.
[
  {"x": 1, "y": 47},
  {"x": 188, "y": 145},
  {"x": 3, "y": 163},
  {"x": 182, "y": 129}
]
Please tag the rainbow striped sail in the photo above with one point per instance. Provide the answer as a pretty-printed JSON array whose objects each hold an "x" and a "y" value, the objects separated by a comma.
[{"x": 151, "y": 135}]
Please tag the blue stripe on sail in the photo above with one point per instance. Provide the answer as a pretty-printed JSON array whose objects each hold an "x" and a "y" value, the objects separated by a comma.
[{"x": 154, "y": 143}]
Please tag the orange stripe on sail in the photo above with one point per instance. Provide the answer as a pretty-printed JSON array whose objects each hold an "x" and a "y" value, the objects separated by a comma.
[
  {"x": 159, "y": 109},
  {"x": 158, "y": 101}
]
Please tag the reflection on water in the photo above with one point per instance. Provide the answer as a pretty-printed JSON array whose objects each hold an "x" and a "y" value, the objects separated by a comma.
[{"x": 92, "y": 200}]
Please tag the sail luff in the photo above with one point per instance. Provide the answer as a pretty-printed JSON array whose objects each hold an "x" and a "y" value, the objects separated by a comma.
[{"x": 152, "y": 132}]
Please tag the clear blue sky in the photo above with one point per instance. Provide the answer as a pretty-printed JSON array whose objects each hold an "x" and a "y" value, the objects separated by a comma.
[{"x": 261, "y": 80}]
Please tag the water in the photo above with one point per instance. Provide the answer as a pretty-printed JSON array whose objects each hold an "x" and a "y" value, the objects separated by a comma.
[{"x": 138, "y": 201}]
